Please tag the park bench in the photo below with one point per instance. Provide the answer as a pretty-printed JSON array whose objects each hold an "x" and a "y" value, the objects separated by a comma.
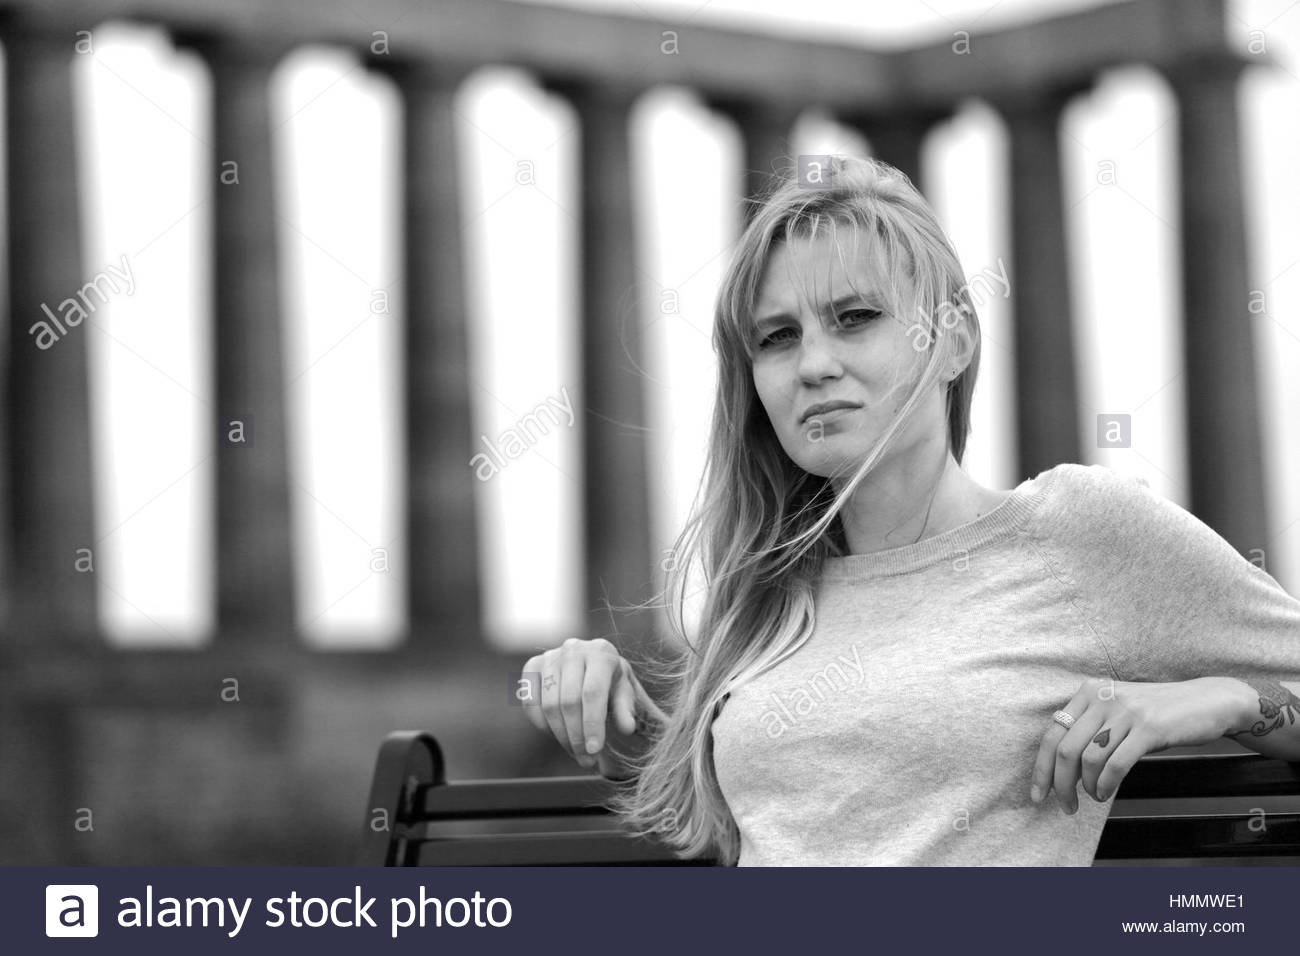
[{"x": 1210, "y": 808}]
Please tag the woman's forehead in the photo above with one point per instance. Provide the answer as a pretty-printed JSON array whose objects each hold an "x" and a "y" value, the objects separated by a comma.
[{"x": 819, "y": 270}]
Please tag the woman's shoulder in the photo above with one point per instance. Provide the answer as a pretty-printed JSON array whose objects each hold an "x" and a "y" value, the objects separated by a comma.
[
  {"x": 1115, "y": 534},
  {"x": 1110, "y": 517},
  {"x": 1077, "y": 485},
  {"x": 1081, "y": 476},
  {"x": 1085, "y": 503}
]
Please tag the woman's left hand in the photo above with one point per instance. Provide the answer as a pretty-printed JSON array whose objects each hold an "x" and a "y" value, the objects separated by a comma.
[{"x": 1116, "y": 723}]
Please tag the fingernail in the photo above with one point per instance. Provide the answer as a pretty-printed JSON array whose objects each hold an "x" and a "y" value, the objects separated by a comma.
[
  {"x": 592, "y": 745},
  {"x": 1035, "y": 794}
]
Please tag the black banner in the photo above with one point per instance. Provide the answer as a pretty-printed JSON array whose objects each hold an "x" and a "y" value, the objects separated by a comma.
[{"x": 646, "y": 909}]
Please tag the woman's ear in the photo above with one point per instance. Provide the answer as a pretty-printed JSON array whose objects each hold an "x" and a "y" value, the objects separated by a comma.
[{"x": 963, "y": 341}]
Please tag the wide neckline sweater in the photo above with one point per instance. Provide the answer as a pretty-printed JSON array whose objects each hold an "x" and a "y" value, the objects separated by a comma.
[{"x": 904, "y": 732}]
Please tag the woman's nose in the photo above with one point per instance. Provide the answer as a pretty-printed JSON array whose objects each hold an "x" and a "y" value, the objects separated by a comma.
[{"x": 817, "y": 358}]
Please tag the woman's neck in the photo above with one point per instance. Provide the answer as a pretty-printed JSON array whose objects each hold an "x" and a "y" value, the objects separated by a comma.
[{"x": 902, "y": 505}]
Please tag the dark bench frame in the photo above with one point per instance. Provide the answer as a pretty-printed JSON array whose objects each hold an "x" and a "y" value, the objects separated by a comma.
[{"x": 1158, "y": 815}]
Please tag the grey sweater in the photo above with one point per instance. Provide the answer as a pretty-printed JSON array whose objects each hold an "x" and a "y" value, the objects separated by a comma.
[{"x": 905, "y": 731}]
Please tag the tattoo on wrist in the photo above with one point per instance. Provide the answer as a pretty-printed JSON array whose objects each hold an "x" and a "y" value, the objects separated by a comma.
[{"x": 1277, "y": 706}]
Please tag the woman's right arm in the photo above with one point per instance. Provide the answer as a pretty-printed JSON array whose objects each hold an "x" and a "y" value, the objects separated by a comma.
[{"x": 593, "y": 704}]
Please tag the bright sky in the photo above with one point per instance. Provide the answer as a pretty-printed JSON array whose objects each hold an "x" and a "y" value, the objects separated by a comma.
[{"x": 336, "y": 135}]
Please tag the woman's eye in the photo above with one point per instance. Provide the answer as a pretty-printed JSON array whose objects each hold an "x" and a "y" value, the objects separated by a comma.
[
  {"x": 774, "y": 338},
  {"x": 859, "y": 316}
]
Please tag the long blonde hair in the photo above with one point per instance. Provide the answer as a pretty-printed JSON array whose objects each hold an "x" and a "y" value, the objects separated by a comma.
[{"x": 760, "y": 526}]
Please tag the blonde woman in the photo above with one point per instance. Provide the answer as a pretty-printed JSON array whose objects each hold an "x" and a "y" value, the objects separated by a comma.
[{"x": 893, "y": 664}]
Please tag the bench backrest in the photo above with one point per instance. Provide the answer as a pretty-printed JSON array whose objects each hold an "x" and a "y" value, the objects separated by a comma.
[{"x": 1213, "y": 808}]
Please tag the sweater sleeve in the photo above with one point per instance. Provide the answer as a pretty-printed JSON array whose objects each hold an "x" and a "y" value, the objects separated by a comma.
[{"x": 1168, "y": 598}]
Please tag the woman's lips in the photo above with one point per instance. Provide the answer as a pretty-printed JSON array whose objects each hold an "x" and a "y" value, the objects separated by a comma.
[{"x": 815, "y": 416}]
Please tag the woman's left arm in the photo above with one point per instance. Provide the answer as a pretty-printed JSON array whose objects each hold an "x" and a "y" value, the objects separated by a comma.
[
  {"x": 1171, "y": 599},
  {"x": 1268, "y": 716}
]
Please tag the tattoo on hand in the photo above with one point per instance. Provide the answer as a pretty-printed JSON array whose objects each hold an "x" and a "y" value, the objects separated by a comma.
[{"x": 1277, "y": 705}]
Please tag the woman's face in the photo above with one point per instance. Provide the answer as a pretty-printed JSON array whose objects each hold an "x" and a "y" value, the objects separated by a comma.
[{"x": 854, "y": 351}]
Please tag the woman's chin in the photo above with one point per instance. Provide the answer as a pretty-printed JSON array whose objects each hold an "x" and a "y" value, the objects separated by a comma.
[{"x": 826, "y": 462}]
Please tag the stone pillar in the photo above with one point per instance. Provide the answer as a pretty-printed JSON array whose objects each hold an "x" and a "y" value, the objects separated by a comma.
[
  {"x": 254, "y": 567},
  {"x": 1225, "y": 458},
  {"x": 619, "y": 559},
  {"x": 47, "y": 478},
  {"x": 898, "y": 140},
  {"x": 443, "y": 586},
  {"x": 767, "y": 133},
  {"x": 1047, "y": 395}
]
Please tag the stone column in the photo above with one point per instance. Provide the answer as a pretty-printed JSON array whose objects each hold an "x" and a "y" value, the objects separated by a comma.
[
  {"x": 767, "y": 133},
  {"x": 1047, "y": 404},
  {"x": 47, "y": 478},
  {"x": 254, "y": 566},
  {"x": 898, "y": 140},
  {"x": 1225, "y": 457},
  {"x": 616, "y": 495},
  {"x": 443, "y": 586}
]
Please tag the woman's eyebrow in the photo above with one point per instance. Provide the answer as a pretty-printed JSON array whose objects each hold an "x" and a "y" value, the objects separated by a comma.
[{"x": 837, "y": 304}]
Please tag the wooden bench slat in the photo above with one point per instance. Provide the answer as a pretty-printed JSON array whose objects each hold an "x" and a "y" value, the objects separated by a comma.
[
  {"x": 1209, "y": 775},
  {"x": 1164, "y": 810},
  {"x": 516, "y": 797},
  {"x": 596, "y": 848},
  {"x": 1210, "y": 835}
]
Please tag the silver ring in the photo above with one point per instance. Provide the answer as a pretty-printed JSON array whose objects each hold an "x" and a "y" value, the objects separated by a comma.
[{"x": 1064, "y": 719}]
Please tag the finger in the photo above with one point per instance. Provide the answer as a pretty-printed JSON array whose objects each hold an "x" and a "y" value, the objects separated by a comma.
[
  {"x": 1045, "y": 763},
  {"x": 623, "y": 703},
  {"x": 1103, "y": 744},
  {"x": 1069, "y": 756},
  {"x": 1130, "y": 750},
  {"x": 532, "y": 702},
  {"x": 572, "y": 670},
  {"x": 595, "y": 700},
  {"x": 1040, "y": 782},
  {"x": 550, "y": 675}
]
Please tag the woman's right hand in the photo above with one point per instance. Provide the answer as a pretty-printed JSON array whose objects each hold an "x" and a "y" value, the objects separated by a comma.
[{"x": 591, "y": 698}]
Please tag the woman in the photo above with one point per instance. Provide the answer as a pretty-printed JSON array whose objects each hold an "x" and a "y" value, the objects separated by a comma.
[{"x": 892, "y": 663}]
